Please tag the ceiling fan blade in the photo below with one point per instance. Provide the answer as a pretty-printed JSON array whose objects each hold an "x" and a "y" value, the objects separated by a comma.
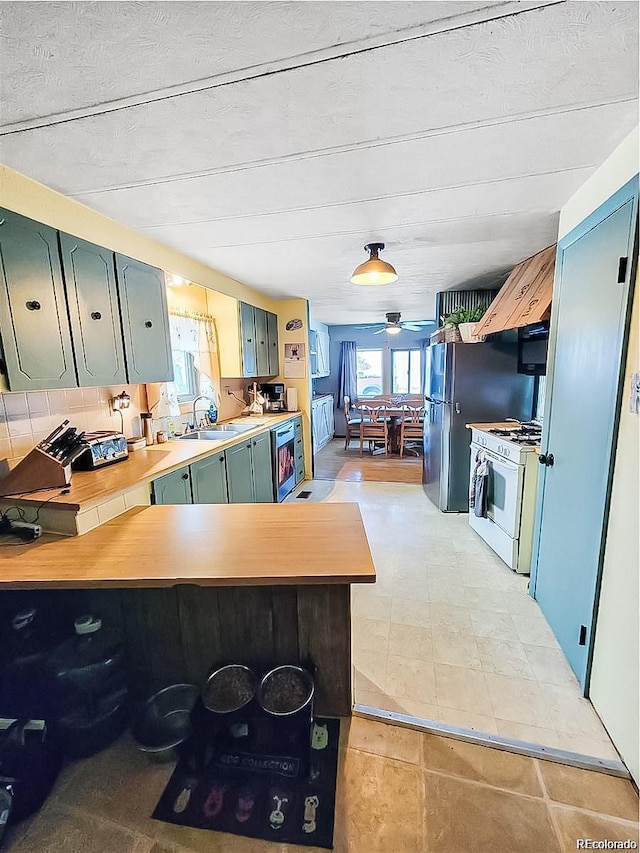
[
  {"x": 380, "y": 331},
  {"x": 415, "y": 327},
  {"x": 370, "y": 326}
]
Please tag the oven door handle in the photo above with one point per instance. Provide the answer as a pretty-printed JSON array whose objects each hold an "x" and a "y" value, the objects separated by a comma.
[{"x": 494, "y": 457}]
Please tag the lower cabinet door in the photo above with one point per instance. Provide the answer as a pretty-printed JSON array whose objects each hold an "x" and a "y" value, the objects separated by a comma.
[
  {"x": 209, "y": 480},
  {"x": 239, "y": 474},
  {"x": 262, "y": 468},
  {"x": 173, "y": 488}
]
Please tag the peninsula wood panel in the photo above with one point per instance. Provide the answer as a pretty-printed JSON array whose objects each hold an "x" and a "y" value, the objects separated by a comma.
[{"x": 525, "y": 296}]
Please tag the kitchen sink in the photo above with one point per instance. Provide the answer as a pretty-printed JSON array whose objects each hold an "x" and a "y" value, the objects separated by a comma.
[{"x": 210, "y": 434}]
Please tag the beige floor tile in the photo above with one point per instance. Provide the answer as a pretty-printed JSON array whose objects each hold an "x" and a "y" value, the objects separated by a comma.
[
  {"x": 170, "y": 837},
  {"x": 420, "y": 710},
  {"x": 550, "y": 666},
  {"x": 448, "y": 617},
  {"x": 498, "y": 626},
  {"x": 481, "y": 598},
  {"x": 481, "y": 764},
  {"x": 442, "y": 590},
  {"x": 573, "y": 824},
  {"x": 593, "y": 747},
  {"x": 462, "y": 689},
  {"x": 410, "y": 612},
  {"x": 504, "y": 657},
  {"x": 370, "y": 669},
  {"x": 596, "y": 792},
  {"x": 411, "y": 678},
  {"x": 455, "y": 649},
  {"x": 413, "y": 588},
  {"x": 534, "y": 630},
  {"x": 464, "y": 817},
  {"x": 376, "y": 699},
  {"x": 569, "y": 711},
  {"x": 379, "y": 806},
  {"x": 518, "y": 699},
  {"x": 386, "y": 740},
  {"x": 367, "y": 605},
  {"x": 410, "y": 641},
  {"x": 532, "y": 734},
  {"x": 467, "y": 719},
  {"x": 370, "y": 634}
]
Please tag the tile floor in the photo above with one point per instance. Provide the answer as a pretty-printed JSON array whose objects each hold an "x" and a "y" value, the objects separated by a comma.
[
  {"x": 399, "y": 791},
  {"x": 449, "y": 633}
]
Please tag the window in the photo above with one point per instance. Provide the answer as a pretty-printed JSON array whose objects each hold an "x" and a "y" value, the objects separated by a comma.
[
  {"x": 369, "y": 372},
  {"x": 184, "y": 374},
  {"x": 405, "y": 371}
]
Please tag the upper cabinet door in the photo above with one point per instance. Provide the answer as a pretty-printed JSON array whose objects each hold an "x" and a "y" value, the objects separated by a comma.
[
  {"x": 272, "y": 337},
  {"x": 248, "y": 332},
  {"x": 34, "y": 324},
  {"x": 145, "y": 321},
  {"x": 262, "y": 344},
  {"x": 93, "y": 308}
]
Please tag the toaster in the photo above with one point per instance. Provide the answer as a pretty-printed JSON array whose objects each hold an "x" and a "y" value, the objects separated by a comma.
[{"x": 102, "y": 448}]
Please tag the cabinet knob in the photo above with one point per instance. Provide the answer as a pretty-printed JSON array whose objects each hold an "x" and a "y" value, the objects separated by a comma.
[
  {"x": 96, "y": 315},
  {"x": 185, "y": 476},
  {"x": 148, "y": 324},
  {"x": 546, "y": 459},
  {"x": 33, "y": 305},
  {"x": 248, "y": 446}
]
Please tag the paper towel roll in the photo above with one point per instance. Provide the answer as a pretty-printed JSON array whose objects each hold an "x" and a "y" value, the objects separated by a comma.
[{"x": 292, "y": 399}]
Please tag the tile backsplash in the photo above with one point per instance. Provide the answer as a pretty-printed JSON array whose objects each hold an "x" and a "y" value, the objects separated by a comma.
[{"x": 27, "y": 417}]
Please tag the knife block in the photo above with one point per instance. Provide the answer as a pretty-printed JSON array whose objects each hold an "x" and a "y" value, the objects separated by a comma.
[{"x": 36, "y": 471}]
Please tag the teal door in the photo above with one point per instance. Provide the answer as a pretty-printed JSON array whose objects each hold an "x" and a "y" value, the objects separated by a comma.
[
  {"x": 34, "y": 323},
  {"x": 248, "y": 332},
  {"x": 239, "y": 474},
  {"x": 262, "y": 468},
  {"x": 262, "y": 343},
  {"x": 93, "y": 308},
  {"x": 145, "y": 321},
  {"x": 272, "y": 338},
  {"x": 209, "y": 480},
  {"x": 591, "y": 305},
  {"x": 173, "y": 488}
]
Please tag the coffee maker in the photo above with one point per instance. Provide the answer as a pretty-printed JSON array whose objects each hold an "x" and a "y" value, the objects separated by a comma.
[{"x": 274, "y": 394}]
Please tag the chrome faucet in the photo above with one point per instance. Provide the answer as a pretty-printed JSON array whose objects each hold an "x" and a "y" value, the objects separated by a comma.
[{"x": 195, "y": 403}]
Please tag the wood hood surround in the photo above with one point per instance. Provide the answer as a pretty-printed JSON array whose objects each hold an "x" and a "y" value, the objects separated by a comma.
[{"x": 525, "y": 297}]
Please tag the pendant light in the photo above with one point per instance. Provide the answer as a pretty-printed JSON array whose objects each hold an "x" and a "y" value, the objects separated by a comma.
[{"x": 374, "y": 271}]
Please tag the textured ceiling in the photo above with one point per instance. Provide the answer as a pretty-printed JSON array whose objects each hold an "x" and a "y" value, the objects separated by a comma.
[{"x": 273, "y": 140}]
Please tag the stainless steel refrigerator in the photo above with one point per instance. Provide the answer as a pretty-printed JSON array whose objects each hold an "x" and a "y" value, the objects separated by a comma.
[{"x": 469, "y": 383}]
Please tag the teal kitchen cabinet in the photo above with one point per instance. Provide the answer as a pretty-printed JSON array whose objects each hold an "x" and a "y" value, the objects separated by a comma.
[
  {"x": 298, "y": 450},
  {"x": 248, "y": 333},
  {"x": 262, "y": 343},
  {"x": 93, "y": 309},
  {"x": 173, "y": 488},
  {"x": 240, "y": 474},
  {"x": 34, "y": 324},
  {"x": 274, "y": 351},
  {"x": 145, "y": 321},
  {"x": 262, "y": 468},
  {"x": 209, "y": 480}
]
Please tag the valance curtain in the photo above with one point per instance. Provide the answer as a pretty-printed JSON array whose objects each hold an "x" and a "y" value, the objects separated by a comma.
[
  {"x": 348, "y": 370},
  {"x": 195, "y": 333}
]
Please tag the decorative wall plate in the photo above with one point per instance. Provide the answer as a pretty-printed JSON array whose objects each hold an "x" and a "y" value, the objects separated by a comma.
[{"x": 293, "y": 325}]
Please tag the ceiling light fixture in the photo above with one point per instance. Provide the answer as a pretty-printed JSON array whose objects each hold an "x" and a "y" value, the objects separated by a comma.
[
  {"x": 393, "y": 330},
  {"x": 374, "y": 271}
]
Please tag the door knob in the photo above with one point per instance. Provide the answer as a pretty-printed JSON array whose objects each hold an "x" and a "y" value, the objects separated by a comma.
[{"x": 546, "y": 459}]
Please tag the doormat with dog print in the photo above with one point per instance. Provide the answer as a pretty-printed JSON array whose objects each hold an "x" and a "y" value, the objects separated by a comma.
[{"x": 259, "y": 798}]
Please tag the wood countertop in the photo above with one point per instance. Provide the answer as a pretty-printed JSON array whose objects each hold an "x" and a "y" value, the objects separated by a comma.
[
  {"x": 90, "y": 488},
  {"x": 205, "y": 545}
]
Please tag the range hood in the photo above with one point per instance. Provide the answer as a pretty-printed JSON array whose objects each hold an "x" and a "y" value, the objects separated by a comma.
[{"x": 524, "y": 298}]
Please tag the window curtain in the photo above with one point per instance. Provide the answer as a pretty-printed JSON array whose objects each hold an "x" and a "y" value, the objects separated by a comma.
[
  {"x": 192, "y": 332},
  {"x": 348, "y": 385}
]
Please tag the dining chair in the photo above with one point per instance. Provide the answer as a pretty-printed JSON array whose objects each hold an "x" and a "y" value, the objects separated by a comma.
[
  {"x": 374, "y": 426},
  {"x": 352, "y": 418},
  {"x": 411, "y": 425}
]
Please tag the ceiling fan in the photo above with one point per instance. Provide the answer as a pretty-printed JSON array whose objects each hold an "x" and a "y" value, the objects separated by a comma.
[{"x": 395, "y": 325}]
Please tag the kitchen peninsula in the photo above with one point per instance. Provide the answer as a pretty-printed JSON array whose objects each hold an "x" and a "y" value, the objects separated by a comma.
[{"x": 195, "y": 586}]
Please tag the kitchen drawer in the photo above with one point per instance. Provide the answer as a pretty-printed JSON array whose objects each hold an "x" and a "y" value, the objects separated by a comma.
[{"x": 297, "y": 425}]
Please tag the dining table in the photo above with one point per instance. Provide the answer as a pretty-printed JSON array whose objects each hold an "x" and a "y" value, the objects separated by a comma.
[{"x": 395, "y": 405}]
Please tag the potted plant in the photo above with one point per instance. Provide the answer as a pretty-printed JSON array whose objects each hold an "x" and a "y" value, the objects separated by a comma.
[{"x": 464, "y": 321}]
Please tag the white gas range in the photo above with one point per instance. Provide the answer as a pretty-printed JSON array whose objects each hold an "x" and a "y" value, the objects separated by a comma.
[{"x": 511, "y": 451}]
